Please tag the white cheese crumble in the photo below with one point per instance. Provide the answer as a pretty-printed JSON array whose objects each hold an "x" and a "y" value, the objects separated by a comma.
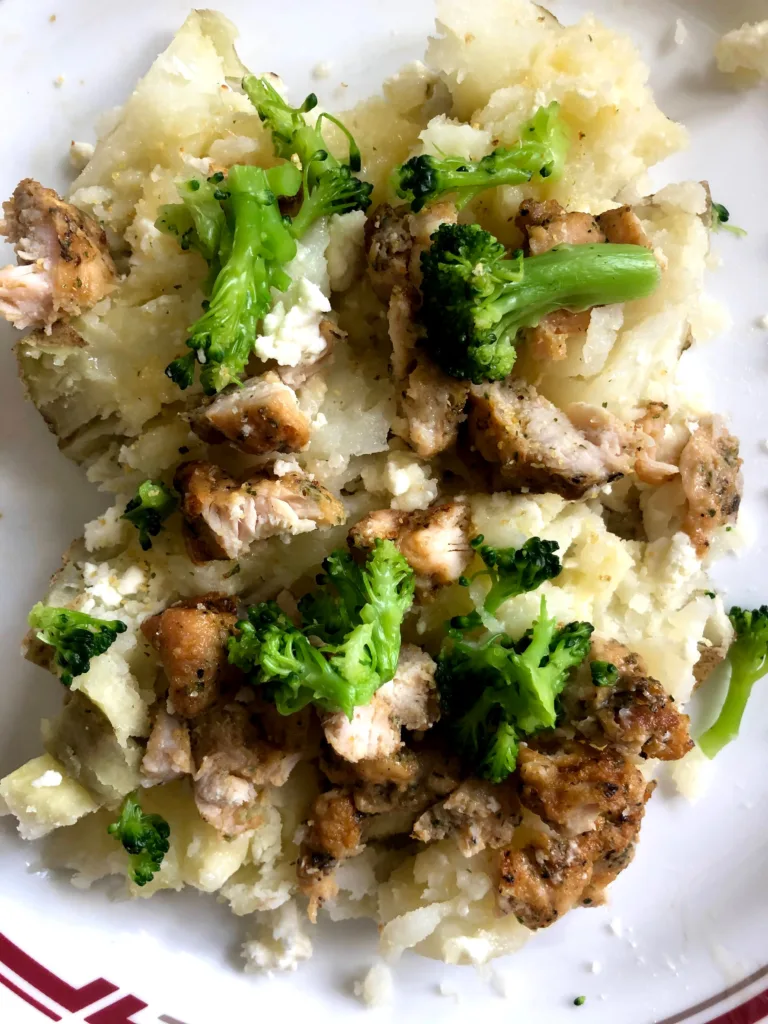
[
  {"x": 376, "y": 988},
  {"x": 280, "y": 943},
  {"x": 80, "y": 153},
  {"x": 292, "y": 332},
  {"x": 402, "y": 475},
  {"x": 47, "y": 780}
]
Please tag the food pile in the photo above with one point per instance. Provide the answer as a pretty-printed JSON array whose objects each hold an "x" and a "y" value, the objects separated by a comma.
[{"x": 404, "y": 583}]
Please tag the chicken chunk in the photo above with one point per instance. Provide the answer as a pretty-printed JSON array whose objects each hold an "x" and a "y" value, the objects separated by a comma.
[
  {"x": 422, "y": 226},
  {"x": 334, "y": 834},
  {"x": 477, "y": 815},
  {"x": 636, "y": 715},
  {"x": 549, "y": 339},
  {"x": 547, "y": 224},
  {"x": 551, "y": 872},
  {"x": 431, "y": 403},
  {"x": 710, "y": 656},
  {"x": 622, "y": 227},
  {"x": 259, "y": 417},
  {"x": 572, "y": 786},
  {"x": 657, "y": 456},
  {"x": 169, "y": 754},
  {"x": 223, "y": 518},
  {"x": 388, "y": 243},
  {"x": 535, "y": 442},
  {"x": 710, "y": 469},
  {"x": 435, "y": 541},
  {"x": 64, "y": 262},
  {"x": 233, "y": 764},
  {"x": 408, "y": 701},
  {"x": 191, "y": 639}
]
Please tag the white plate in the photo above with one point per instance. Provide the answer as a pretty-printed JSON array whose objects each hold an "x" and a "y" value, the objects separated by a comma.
[{"x": 691, "y": 912}]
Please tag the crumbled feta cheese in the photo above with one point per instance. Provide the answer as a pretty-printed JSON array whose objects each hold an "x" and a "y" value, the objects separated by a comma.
[
  {"x": 282, "y": 466},
  {"x": 445, "y": 135},
  {"x": 345, "y": 248},
  {"x": 596, "y": 967},
  {"x": 408, "y": 480},
  {"x": 377, "y": 987},
  {"x": 108, "y": 588},
  {"x": 744, "y": 49},
  {"x": 80, "y": 153},
  {"x": 48, "y": 779},
  {"x": 107, "y": 531},
  {"x": 280, "y": 943},
  {"x": 681, "y": 32},
  {"x": 292, "y": 332}
]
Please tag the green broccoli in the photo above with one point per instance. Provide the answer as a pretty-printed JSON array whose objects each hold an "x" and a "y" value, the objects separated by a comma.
[
  {"x": 356, "y": 613},
  {"x": 476, "y": 302},
  {"x": 144, "y": 838},
  {"x": 149, "y": 509},
  {"x": 748, "y": 656},
  {"x": 251, "y": 256},
  {"x": 514, "y": 571},
  {"x": 199, "y": 222},
  {"x": 75, "y": 637},
  {"x": 329, "y": 186},
  {"x": 604, "y": 673},
  {"x": 540, "y": 153},
  {"x": 494, "y": 692},
  {"x": 721, "y": 221}
]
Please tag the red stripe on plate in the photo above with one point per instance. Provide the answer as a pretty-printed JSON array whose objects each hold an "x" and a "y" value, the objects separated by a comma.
[
  {"x": 754, "y": 1010},
  {"x": 39, "y": 977},
  {"x": 27, "y": 998},
  {"x": 120, "y": 1012}
]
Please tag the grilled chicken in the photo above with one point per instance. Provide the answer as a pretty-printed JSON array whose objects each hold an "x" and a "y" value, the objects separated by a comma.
[
  {"x": 554, "y": 869},
  {"x": 536, "y": 444},
  {"x": 334, "y": 833},
  {"x": 233, "y": 763},
  {"x": 657, "y": 457},
  {"x": 388, "y": 243},
  {"x": 636, "y": 715},
  {"x": 477, "y": 815},
  {"x": 435, "y": 541},
  {"x": 259, "y": 417},
  {"x": 168, "y": 755},
  {"x": 223, "y": 518},
  {"x": 64, "y": 263},
  {"x": 549, "y": 339},
  {"x": 408, "y": 701},
  {"x": 710, "y": 469},
  {"x": 547, "y": 231},
  {"x": 422, "y": 226},
  {"x": 191, "y": 639},
  {"x": 710, "y": 656},
  {"x": 622, "y": 227}
]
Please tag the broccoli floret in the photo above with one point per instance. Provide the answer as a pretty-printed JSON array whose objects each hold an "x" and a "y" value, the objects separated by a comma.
[
  {"x": 476, "y": 302},
  {"x": 514, "y": 571},
  {"x": 329, "y": 186},
  {"x": 144, "y": 838},
  {"x": 357, "y": 612},
  {"x": 748, "y": 657},
  {"x": 199, "y": 222},
  {"x": 540, "y": 153},
  {"x": 149, "y": 509},
  {"x": 75, "y": 637},
  {"x": 252, "y": 253},
  {"x": 493, "y": 691},
  {"x": 604, "y": 673},
  {"x": 721, "y": 221}
]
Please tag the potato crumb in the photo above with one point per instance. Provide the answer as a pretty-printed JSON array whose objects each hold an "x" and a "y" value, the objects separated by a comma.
[
  {"x": 681, "y": 32},
  {"x": 376, "y": 988},
  {"x": 744, "y": 49},
  {"x": 322, "y": 69}
]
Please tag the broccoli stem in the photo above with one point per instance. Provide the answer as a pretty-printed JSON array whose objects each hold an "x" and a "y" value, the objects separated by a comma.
[
  {"x": 728, "y": 722},
  {"x": 575, "y": 277}
]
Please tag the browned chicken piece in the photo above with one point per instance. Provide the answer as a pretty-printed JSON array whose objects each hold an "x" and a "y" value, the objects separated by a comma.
[
  {"x": 64, "y": 262},
  {"x": 435, "y": 541},
  {"x": 656, "y": 461},
  {"x": 422, "y": 226},
  {"x": 431, "y": 402},
  {"x": 297, "y": 733},
  {"x": 616, "y": 440},
  {"x": 636, "y": 715},
  {"x": 710, "y": 469},
  {"x": 223, "y": 518},
  {"x": 259, "y": 417},
  {"x": 535, "y": 443},
  {"x": 191, "y": 639},
  {"x": 233, "y": 763},
  {"x": 547, "y": 224},
  {"x": 168, "y": 755},
  {"x": 622, "y": 227},
  {"x": 710, "y": 656},
  {"x": 549, "y": 340},
  {"x": 388, "y": 243},
  {"x": 408, "y": 701},
  {"x": 477, "y": 815},
  {"x": 571, "y": 785},
  {"x": 548, "y": 874},
  {"x": 295, "y": 376},
  {"x": 333, "y": 834}
]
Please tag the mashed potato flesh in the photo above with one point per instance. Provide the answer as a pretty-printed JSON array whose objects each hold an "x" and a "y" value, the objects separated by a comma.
[{"x": 488, "y": 68}]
